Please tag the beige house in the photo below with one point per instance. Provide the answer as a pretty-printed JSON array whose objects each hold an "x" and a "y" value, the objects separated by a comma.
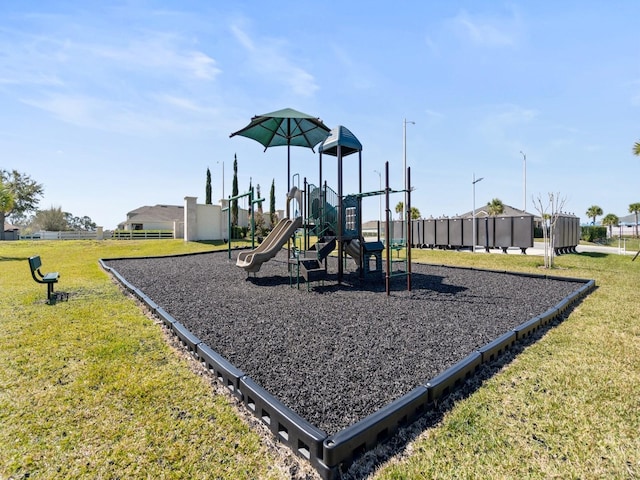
[
  {"x": 192, "y": 221},
  {"x": 158, "y": 217}
]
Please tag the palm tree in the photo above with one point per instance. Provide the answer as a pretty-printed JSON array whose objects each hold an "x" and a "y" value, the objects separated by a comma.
[
  {"x": 593, "y": 212},
  {"x": 636, "y": 148},
  {"x": 495, "y": 207},
  {"x": 610, "y": 220},
  {"x": 400, "y": 210},
  {"x": 415, "y": 213},
  {"x": 635, "y": 208}
]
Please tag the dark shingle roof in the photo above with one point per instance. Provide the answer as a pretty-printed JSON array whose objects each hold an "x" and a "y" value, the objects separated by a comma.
[{"x": 157, "y": 213}]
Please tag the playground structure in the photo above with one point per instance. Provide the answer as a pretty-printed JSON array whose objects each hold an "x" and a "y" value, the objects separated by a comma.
[
  {"x": 252, "y": 260},
  {"x": 334, "y": 220}
]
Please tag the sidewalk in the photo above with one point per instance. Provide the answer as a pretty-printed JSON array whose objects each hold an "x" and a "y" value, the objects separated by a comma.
[{"x": 538, "y": 249}]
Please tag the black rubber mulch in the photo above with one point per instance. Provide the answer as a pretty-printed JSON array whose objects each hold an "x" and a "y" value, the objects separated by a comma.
[{"x": 339, "y": 352}]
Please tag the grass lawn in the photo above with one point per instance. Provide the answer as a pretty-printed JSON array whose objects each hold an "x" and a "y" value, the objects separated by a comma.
[{"x": 90, "y": 388}]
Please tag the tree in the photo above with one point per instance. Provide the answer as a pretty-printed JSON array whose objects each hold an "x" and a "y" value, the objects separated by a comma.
[
  {"x": 611, "y": 221},
  {"x": 415, "y": 213},
  {"x": 234, "y": 193},
  {"x": 400, "y": 210},
  {"x": 6, "y": 199},
  {"x": 495, "y": 207},
  {"x": 261, "y": 229},
  {"x": 208, "y": 188},
  {"x": 79, "y": 223},
  {"x": 258, "y": 195},
  {"x": 272, "y": 203},
  {"x": 52, "y": 219},
  {"x": 549, "y": 214},
  {"x": 635, "y": 208},
  {"x": 24, "y": 192},
  {"x": 593, "y": 212},
  {"x": 636, "y": 148}
]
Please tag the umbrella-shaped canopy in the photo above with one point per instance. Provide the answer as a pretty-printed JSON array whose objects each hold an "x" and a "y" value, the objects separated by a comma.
[{"x": 285, "y": 127}]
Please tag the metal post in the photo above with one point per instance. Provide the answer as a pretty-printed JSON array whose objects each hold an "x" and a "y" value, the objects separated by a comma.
[
  {"x": 387, "y": 240},
  {"x": 473, "y": 214},
  {"x": 404, "y": 156},
  {"x": 524, "y": 181},
  {"x": 409, "y": 229},
  {"x": 379, "y": 196}
]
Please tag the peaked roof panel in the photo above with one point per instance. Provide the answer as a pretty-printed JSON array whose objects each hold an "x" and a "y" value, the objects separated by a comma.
[{"x": 340, "y": 136}]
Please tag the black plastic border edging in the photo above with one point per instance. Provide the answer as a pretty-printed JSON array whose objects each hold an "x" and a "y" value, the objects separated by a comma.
[
  {"x": 227, "y": 374},
  {"x": 492, "y": 350},
  {"x": 328, "y": 454},
  {"x": 153, "y": 306},
  {"x": 188, "y": 339},
  {"x": 527, "y": 328},
  {"x": 349, "y": 443},
  {"x": 304, "y": 439},
  {"x": 443, "y": 384}
]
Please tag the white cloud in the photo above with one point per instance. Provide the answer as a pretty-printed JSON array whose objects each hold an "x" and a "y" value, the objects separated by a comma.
[
  {"x": 486, "y": 31},
  {"x": 268, "y": 58},
  {"x": 358, "y": 74},
  {"x": 110, "y": 82},
  {"x": 503, "y": 123},
  {"x": 74, "y": 109},
  {"x": 184, "y": 103},
  {"x": 153, "y": 54},
  {"x": 183, "y": 117}
]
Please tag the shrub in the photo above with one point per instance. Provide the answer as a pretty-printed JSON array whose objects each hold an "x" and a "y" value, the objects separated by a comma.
[{"x": 592, "y": 233}]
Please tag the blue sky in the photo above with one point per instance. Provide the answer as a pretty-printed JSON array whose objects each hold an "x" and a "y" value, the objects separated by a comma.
[{"x": 116, "y": 105}]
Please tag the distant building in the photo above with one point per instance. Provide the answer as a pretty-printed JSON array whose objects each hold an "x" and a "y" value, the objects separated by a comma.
[
  {"x": 509, "y": 211},
  {"x": 198, "y": 221},
  {"x": 158, "y": 217},
  {"x": 11, "y": 232}
]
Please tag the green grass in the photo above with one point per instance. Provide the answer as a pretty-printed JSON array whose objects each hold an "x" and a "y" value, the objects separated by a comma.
[
  {"x": 90, "y": 388},
  {"x": 630, "y": 243}
]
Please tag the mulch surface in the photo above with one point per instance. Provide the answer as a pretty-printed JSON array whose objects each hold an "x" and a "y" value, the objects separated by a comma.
[{"x": 339, "y": 352}]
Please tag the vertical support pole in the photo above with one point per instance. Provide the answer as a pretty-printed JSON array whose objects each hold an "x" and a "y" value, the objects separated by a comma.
[
  {"x": 305, "y": 215},
  {"x": 360, "y": 236},
  {"x": 386, "y": 228},
  {"x": 253, "y": 223},
  {"x": 229, "y": 234},
  {"x": 340, "y": 217},
  {"x": 409, "y": 229},
  {"x": 321, "y": 197},
  {"x": 288, "y": 155}
]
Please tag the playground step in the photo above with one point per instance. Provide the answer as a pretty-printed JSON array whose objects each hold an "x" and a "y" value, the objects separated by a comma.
[
  {"x": 324, "y": 246},
  {"x": 312, "y": 270}
]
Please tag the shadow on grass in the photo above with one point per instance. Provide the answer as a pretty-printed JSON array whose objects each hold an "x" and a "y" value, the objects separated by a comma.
[
  {"x": 594, "y": 254},
  {"x": 13, "y": 259}
]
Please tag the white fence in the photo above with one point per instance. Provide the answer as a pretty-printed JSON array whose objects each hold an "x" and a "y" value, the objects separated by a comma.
[
  {"x": 67, "y": 235},
  {"x": 100, "y": 235}
]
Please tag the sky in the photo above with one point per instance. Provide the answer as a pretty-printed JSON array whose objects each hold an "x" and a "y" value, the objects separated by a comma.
[{"x": 116, "y": 105}]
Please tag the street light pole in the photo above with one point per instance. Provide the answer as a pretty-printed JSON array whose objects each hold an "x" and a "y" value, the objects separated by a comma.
[
  {"x": 404, "y": 164},
  {"x": 524, "y": 181},
  {"x": 379, "y": 197},
  {"x": 222, "y": 178},
  {"x": 473, "y": 213}
]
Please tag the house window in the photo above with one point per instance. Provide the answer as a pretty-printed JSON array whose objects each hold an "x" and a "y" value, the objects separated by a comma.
[{"x": 136, "y": 226}]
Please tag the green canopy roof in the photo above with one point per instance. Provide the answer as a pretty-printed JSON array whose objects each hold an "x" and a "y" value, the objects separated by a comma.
[
  {"x": 285, "y": 128},
  {"x": 343, "y": 138}
]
